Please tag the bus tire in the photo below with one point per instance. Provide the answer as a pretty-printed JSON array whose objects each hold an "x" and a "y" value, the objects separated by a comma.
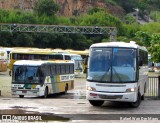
[
  {"x": 137, "y": 103},
  {"x": 46, "y": 93},
  {"x": 96, "y": 102},
  {"x": 21, "y": 96}
]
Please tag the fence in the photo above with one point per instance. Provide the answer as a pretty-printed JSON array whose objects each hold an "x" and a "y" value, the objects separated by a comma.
[{"x": 153, "y": 90}]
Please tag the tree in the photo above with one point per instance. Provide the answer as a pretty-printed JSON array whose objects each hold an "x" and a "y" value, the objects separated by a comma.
[
  {"x": 155, "y": 47},
  {"x": 144, "y": 37},
  {"x": 48, "y": 7}
]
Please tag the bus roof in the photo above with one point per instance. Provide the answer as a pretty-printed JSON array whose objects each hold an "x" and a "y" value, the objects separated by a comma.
[
  {"x": 32, "y": 51},
  {"x": 132, "y": 44},
  {"x": 39, "y": 62},
  {"x": 80, "y": 52},
  {"x": 70, "y": 54}
]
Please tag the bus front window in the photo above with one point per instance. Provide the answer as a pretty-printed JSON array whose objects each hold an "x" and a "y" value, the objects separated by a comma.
[
  {"x": 26, "y": 74},
  {"x": 100, "y": 64},
  {"x": 112, "y": 65},
  {"x": 124, "y": 65}
]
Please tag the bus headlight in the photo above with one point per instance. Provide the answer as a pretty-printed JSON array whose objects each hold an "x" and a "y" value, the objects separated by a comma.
[
  {"x": 91, "y": 88},
  {"x": 131, "y": 90}
]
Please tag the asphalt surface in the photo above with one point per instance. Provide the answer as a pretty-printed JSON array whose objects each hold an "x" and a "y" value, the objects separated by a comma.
[{"x": 73, "y": 107}]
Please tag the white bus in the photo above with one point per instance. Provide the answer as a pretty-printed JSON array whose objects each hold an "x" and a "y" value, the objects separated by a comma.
[
  {"x": 41, "y": 78},
  {"x": 117, "y": 72},
  {"x": 77, "y": 59}
]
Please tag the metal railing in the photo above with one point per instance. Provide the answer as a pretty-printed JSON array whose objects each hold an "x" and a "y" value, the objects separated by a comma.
[
  {"x": 111, "y": 31},
  {"x": 153, "y": 90}
]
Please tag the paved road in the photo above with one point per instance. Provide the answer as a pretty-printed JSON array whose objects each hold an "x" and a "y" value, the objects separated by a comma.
[{"x": 73, "y": 107}]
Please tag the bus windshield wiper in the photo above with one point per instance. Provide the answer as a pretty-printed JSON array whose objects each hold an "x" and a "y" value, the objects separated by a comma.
[{"x": 115, "y": 72}]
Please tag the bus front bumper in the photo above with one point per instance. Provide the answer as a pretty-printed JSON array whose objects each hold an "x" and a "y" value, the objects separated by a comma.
[
  {"x": 122, "y": 97},
  {"x": 26, "y": 92}
]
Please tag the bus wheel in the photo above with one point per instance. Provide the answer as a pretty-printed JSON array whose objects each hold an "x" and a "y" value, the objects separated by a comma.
[
  {"x": 96, "y": 102},
  {"x": 137, "y": 103},
  {"x": 21, "y": 96},
  {"x": 46, "y": 93}
]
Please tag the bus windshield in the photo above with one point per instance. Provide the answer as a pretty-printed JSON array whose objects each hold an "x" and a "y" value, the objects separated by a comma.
[
  {"x": 76, "y": 57},
  {"x": 26, "y": 74},
  {"x": 112, "y": 65}
]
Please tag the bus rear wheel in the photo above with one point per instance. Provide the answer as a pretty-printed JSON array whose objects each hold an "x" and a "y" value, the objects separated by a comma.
[
  {"x": 137, "y": 103},
  {"x": 96, "y": 102},
  {"x": 21, "y": 96}
]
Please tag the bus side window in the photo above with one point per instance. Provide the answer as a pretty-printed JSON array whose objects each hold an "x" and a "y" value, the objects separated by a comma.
[
  {"x": 14, "y": 56},
  {"x": 71, "y": 68},
  {"x": 58, "y": 70},
  {"x": 53, "y": 69},
  {"x": 67, "y": 57},
  {"x": 63, "y": 69},
  {"x": 140, "y": 62},
  {"x": 26, "y": 57},
  {"x": 67, "y": 68},
  {"x": 41, "y": 75},
  {"x": 58, "y": 57}
]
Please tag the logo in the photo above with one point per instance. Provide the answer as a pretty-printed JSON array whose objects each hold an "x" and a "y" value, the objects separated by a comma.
[
  {"x": 6, "y": 118},
  {"x": 19, "y": 118}
]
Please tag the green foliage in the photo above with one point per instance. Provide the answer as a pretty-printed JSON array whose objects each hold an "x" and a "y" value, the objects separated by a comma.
[
  {"x": 151, "y": 27},
  {"x": 122, "y": 38},
  {"x": 22, "y": 39},
  {"x": 155, "y": 15},
  {"x": 155, "y": 38},
  {"x": 94, "y": 10},
  {"x": 45, "y": 13},
  {"x": 5, "y": 39},
  {"x": 130, "y": 19},
  {"x": 130, "y": 30},
  {"x": 47, "y": 7},
  {"x": 154, "y": 50},
  {"x": 144, "y": 37},
  {"x": 142, "y": 5},
  {"x": 99, "y": 19}
]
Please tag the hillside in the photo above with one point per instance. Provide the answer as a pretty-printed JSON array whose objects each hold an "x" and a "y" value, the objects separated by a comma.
[{"x": 68, "y": 7}]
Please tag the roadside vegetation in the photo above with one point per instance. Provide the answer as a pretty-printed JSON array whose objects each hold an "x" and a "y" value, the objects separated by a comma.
[{"x": 45, "y": 12}]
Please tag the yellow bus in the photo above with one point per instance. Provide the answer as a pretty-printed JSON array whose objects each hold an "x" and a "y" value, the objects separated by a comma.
[
  {"x": 28, "y": 54},
  {"x": 41, "y": 78},
  {"x": 84, "y": 54},
  {"x": 77, "y": 59},
  {"x": 3, "y": 60}
]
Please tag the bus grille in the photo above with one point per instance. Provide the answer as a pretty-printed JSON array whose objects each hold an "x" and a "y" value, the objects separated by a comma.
[{"x": 110, "y": 96}]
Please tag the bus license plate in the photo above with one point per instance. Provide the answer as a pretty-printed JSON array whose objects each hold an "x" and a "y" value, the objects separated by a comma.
[{"x": 24, "y": 91}]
